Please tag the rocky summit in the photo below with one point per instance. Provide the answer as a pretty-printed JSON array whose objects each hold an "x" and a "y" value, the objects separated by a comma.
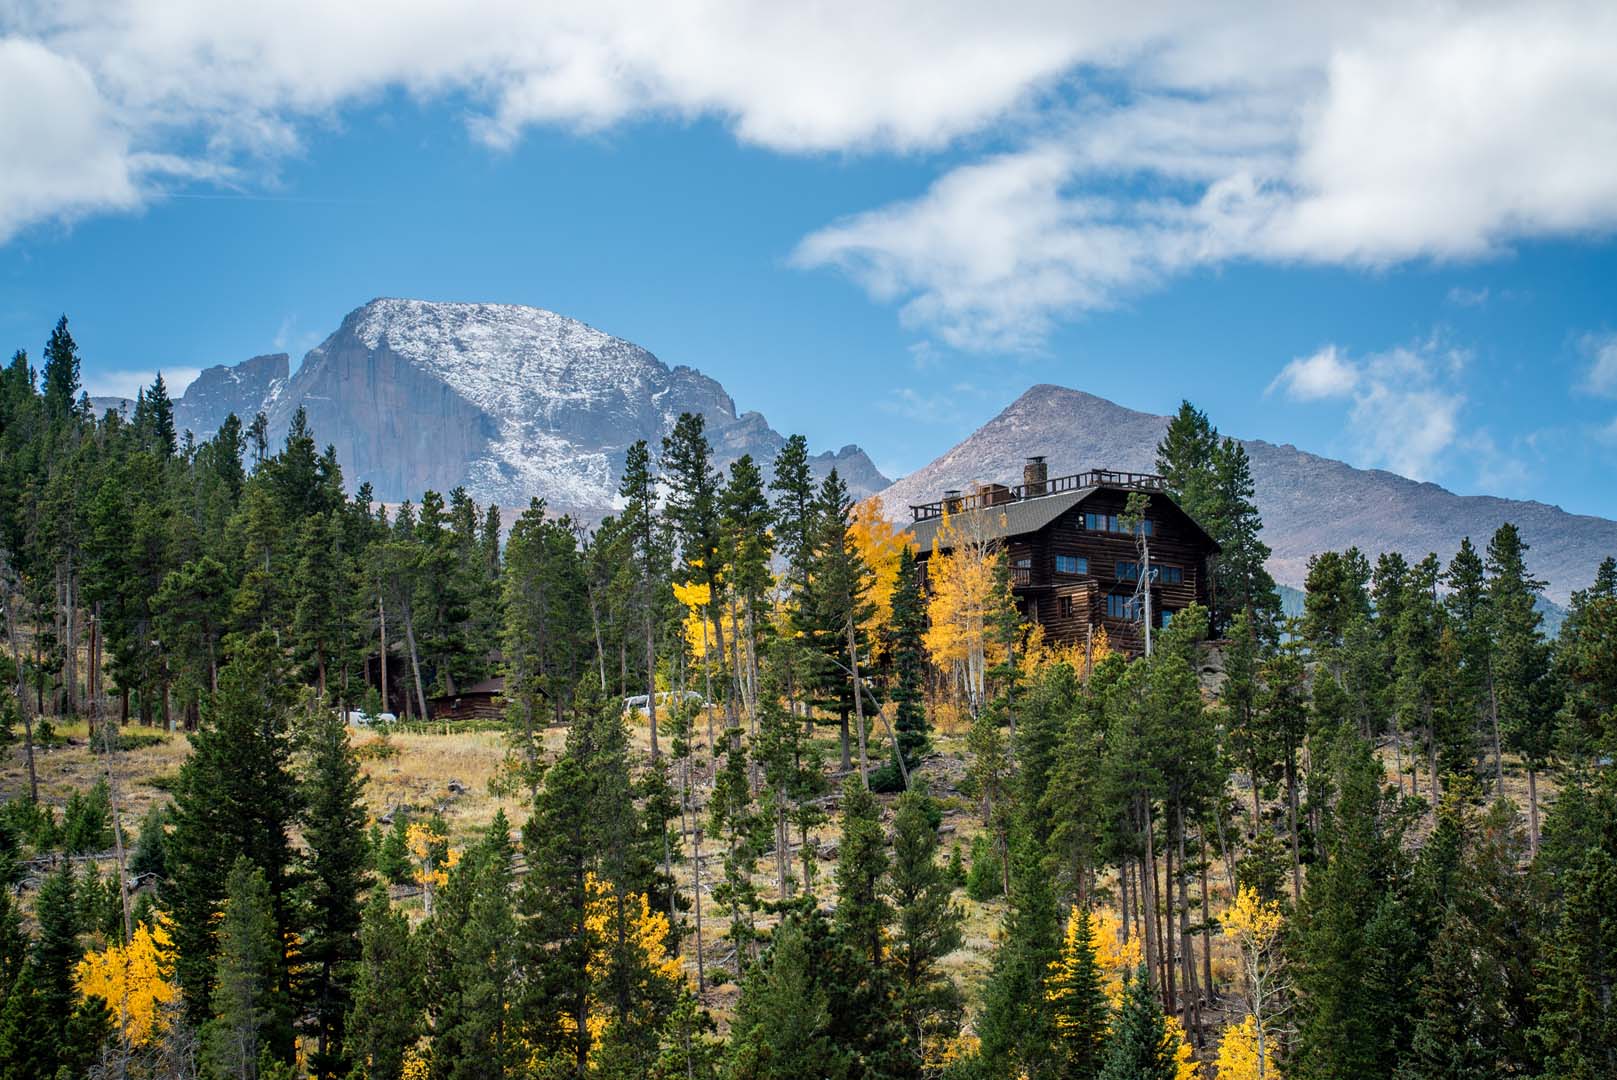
[{"x": 510, "y": 402}]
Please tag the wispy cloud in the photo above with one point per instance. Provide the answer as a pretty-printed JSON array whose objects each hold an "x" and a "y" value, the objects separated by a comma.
[
  {"x": 1405, "y": 403},
  {"x": 1460, "y": 296},
  {"x": 128, "y": 383},
  {"x": 939, "y": 407},
  {"x": 1601, "y": 352}
]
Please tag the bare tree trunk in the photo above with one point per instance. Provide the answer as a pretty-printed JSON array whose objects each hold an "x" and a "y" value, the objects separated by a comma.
[
  {"x": 1148, "y": 899},
  {"x": 381, "y": 621},
  {"x": 858, "y": 705},
  {"x": 696, "y": 891},
  {"x": 1187, "y": 943},
  {"x": 415, "y": 661},
  {"x": 651, "y": 686},
  {"x": 1170, "y": 958},
  {"x": 22, "y": 698},
  {"x": 1532, "y": 807},
  {"x": 1207, "y": 919},
  {"x": 1493, "y": 714},
  {"x": 1291, "y": 814}
]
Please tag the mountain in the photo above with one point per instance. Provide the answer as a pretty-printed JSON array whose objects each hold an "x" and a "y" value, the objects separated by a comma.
[
  {"x": 508, "y": 401},
  {"x": 1309, "y": 503}
]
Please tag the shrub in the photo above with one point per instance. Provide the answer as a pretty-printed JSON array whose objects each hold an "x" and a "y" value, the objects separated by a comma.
[{"x": 987, "y": 877}]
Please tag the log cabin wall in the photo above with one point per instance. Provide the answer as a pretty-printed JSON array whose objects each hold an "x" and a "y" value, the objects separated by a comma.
[{"x": 1068, "y": 599}]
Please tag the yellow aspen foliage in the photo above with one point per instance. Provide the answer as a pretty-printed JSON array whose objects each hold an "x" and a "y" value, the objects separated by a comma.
[
  {"x": 698, "y": 626},
  {"x": 1039, "y": 653},
  {"x": 1115, "y": 956},
  {"x": 431, "y": 858},
  {"x": 135, "y": 980},
  {"x": 416, "y": 1066},
  {"x": 961, "y": 575},
  {"x": 1239, "y": 1056},
  {"x": 1254, "y": 925},
  {"x": 647, "y": 934},
  {"x": 879, "y": 544},
  {"x": 1186, "y": 1067}
]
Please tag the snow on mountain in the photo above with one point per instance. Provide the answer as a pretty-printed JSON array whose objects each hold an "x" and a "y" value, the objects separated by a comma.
[{"x": 508, "y": 401}]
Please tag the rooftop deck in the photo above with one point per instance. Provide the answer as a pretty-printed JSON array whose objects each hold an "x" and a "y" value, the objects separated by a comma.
[{"x": 999, "y": 494}]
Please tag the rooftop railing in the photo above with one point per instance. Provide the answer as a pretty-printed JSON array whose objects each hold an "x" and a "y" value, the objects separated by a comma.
[{"x": 1000, "y": 494}]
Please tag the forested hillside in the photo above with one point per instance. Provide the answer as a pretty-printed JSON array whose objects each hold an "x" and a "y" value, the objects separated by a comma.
[{"x": 861, "y": 828}]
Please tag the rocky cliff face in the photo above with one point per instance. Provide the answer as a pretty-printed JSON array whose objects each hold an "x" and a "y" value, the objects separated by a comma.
[
  {"x": 1309, "y": 503},
  {"x": 224, "y": 389},
  {"x": 510, "y": 402}
]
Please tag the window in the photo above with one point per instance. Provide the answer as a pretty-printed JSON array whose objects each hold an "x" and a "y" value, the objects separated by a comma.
[
  {"x": 1071, "y": 564},
  {"x": 1167, "y": 617},
  {"x": 1022, "y": 562},
  {"x": 1120, "y": 605},
  {"x": 1163, "y": 575},
  {"x": 1111, "y": 523},
  {"x": 1065, "y": 607}
]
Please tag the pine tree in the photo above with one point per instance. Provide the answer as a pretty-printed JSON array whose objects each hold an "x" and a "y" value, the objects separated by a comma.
[
  {"x": 649, "y": 556},
  {"x": 60, "y": 377},
  {"x": 860, "y": 981},
  {"x": 782, "y": 1023},
  {"x": 44, "y": 1026},
  {"x": 1521, "y": 660},
  {"x": 926, "y": 928},
  {"x": 336, "y": 873},
  {"x": 910, "y": 726},
  {"x": 384, "y": 1020},
  {"x": 251, "y": 1016},
  {"x": 1017, "y": 1027},
  {"x": 1137, "y": 1047},
  {"x": 1077, "y": 1000},
  {"x": 1356, "y": 954},
  {"x": 235, "y": 797}
]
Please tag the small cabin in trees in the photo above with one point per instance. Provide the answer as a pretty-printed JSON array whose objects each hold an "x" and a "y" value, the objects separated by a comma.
[
  {"x": 1076, "y": 564},
  {"x": 480, "y": 701}
]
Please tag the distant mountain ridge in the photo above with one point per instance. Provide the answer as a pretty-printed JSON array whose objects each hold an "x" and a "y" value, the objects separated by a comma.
[
  {"x": 508, "y": 401},
  {"x": 1309, "y": 503}
]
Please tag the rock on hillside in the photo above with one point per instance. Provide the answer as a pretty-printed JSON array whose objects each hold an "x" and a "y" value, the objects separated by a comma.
[
  {"x": 1309, "y": 503},
  {"x": 508, "y": 401}
]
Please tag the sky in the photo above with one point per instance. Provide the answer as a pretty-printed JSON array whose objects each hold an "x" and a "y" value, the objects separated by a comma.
[{"x": 1382, "y": 232}]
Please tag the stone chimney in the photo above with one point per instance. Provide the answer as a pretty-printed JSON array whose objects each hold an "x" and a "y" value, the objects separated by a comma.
[{"x": 1035, "y": 477}]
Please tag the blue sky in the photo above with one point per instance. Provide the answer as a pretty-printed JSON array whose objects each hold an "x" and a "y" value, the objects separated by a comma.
[{"x": 1361, "y": 248}]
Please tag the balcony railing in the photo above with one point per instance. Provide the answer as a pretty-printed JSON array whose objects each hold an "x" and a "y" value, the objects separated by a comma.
[{"x": 999, "y": 494}]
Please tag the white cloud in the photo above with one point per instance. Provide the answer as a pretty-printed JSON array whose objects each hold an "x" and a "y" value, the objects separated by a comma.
[
  {"x": 1105, "y": 148},
  {"x": 1326, "y": 374},
  {"x": 127, "y": 383},
  {"x": 1406, "y": 404},
  {"x": 1460, "y": 296},
  {"x": 1601, "y": 378}
]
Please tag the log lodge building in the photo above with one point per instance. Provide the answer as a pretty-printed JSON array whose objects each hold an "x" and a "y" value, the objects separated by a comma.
[{"x": 1075, "y": 566}]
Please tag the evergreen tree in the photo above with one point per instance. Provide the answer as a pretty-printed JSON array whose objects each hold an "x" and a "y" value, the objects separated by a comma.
[
  {"x": 336, "y": 872},
  {"x": 1356, "y": 956},
  {"x": 926, "y": 928},
  {"x": 1017, "y": 1027},
  {"x": 1521, "y": 660},
  {"x": 1077, "y": 1000},
  {"x": 910, "y": 726},
  {"x": 384, "y": 1020},
  {"x": 251, "y": 1017},
  {"x": 60, "y": 377},
  {"x": 235, "y": 798},
  {"x": 1139, "y": 1045},
  {"x": 782, "y": 1024}
]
